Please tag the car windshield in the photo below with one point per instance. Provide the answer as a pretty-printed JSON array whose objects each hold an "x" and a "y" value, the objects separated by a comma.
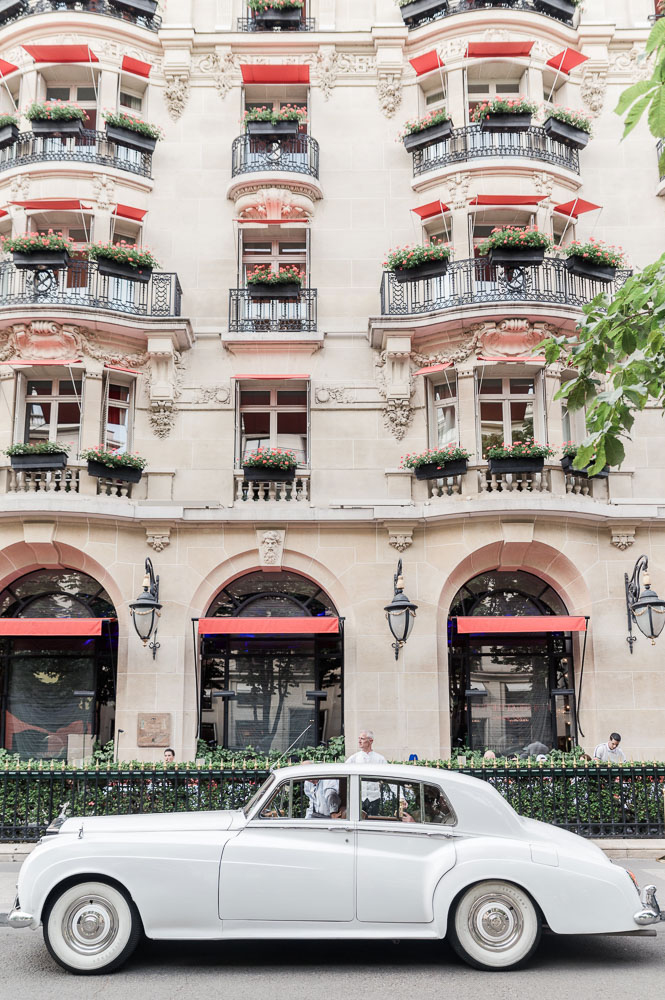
[{"x": 247, "y": 808}]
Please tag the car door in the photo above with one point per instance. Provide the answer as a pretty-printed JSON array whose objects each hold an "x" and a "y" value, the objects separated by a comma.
[
  {"x": 291, "y": 862},
  {"x": 404, "y": 847}
]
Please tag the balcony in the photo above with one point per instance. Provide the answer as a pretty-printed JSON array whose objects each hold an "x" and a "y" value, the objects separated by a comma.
[
  {"x": 251, "y": 24},
  {"x": 297, "y": 491},
  {"x": 471, "y": 143},
  {"x": 465, "y": 6},
  {"x": 91, "y": 147},
  {"x": 474, "y": 282},
  {"x": 81, "y": 285},
  {"x": 480, "y": 483},
  {"x": 299, "y": 155},
  {"x": 104, "y": 7},
  {"x": 253, "y": 316}
]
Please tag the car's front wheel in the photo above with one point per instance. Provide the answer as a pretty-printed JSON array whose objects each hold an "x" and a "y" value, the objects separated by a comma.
[
  {"x": 91, "y": 927},
  {"x": 495, "y": 925}
]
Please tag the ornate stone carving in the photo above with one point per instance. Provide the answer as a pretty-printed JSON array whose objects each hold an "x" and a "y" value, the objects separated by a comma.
[
  {"x": 274, "y": 203},
  {"x": 48, "y": 340},
  {"x": 397, "y": 416},
  {"x": 334, "y": 394},
  {"x": 622, "y": 537},
  {"x": 161, "y": 415},
  {"x": 19, "y": 189},
  {"x": 326, "y": 67},
  {"x": 176, "y": 94},
  {"x": 213, "y": 394},
  {"x": 632, "y": 63},
  {"x": 544, "y": 184},
  {"x": 271, "y": 548},
  {"x": 158, "y": 539},
  {"x": 457, "y": 188},
  {"x": 400, "y": 539},
  {"x": 104, "y": 188},
  {"x": 223, "y": 70},
  {"x": 389, "y": 89},
  {"x": 593, "y": 89},
  {"x": 511, "y": 337}
]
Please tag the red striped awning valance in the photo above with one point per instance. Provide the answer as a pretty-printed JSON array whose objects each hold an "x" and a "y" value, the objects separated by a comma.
[
  {"x": 51, "y": 626},
  {"x": 491, "y": 624},
  {"x": 61, "y": 53},
  {"x": 564, "y": 62},
  {"x": 431, "y": 369},
  {"x": 135, "y": 66},
  {"x": 269, "y": 626},
  {"x": 274, "y": 73},
  {"x": 427, "y": 62}
]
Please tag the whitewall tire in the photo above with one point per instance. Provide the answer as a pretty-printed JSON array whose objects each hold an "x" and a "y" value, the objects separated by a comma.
[
  {"x": 91, "y": 927},
  {"x": 494, "y": 926}
]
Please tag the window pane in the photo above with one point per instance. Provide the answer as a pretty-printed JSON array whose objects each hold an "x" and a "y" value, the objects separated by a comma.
[
  {"x": 130, "y": 101},
  {"x": 86, "y": 94},
  {"x": 37, "y": 422},
  {"x": 521, "y": 421},
  {"x": 120, "y": 392},
  {"x": 491, "y": 424},
  {"x": 57, "y": 93},
  {"x": 565, "y": 423},
  {"x": 478, "y": 88},
  {"x": 69, "y": 419},
  {"x": 256, "y": 423},
  {"x": 446, "y": 431},
  {"x": 291, "y": 248},
  {"x": 436, "y": 807},
  {"x": 252, "y": 248},
  {"x": 255, "y": 397},
  {"x": 388, "y": 801},
  {"x": 69, "y": 388},
  {"x": 434, "y": 98},
  {"x": 117, "y": 418},
  {"x": 446, "y": 390},
  {"x": 507, "y": 88},
  {"x": 490, "y": 386},
  {"x": 38, "y": 389},
  {"x": 521, "y": 386},
  {"x": 292, "y": 397}
]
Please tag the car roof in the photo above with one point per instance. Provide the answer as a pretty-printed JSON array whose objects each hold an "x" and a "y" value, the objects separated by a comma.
[{"x": 407, "y": 772}]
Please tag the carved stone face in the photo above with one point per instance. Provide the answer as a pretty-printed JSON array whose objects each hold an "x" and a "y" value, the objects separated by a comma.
[{"x": 270, "y": 543}]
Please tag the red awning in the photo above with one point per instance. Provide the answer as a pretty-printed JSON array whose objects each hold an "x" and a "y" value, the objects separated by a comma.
[
  {"x": 53, "y": 204},
  {"x": 6, "y": 67},
  {"x": 430, "y": 369},
  {"x": 427, "y": 62},
  {"x": 135, "y": 66},
  {"x": 567, "y": 60},
  {"x": 576, "y": 207},
  {"x": 3, "y": 213},
  {"x": 483, "y": 50},
  {"x": 268, "y": 626},
  {"x": 42, "y": 362},
  {"x": 51, "y": 626},
  {"x": 127, "y": 212},
  {"x": 119, "y": 368},
  {"x": 527, "y": 623},
  {"x": 523, "y": 358},
  {"x": 275, "y": 73},
  {"x": 507, "y": 199},
  {"x": 61, "y": 53},
  {"x": 431, "y": 209},
  {"x": 262, "y": 377}
]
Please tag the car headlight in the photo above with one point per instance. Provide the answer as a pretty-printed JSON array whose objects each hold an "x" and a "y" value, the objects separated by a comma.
[{"x": 634, "y": 880}]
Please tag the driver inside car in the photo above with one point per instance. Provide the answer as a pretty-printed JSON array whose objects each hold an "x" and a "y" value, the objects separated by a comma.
[{"x": 324, "y": 798}]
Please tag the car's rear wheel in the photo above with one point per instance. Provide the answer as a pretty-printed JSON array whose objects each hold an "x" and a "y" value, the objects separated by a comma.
[
  {"x": 91, "y": 927},
  {"x": 495, "y": 925}
]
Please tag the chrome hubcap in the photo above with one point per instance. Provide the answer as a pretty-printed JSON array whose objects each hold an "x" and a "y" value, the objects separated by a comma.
[
  {"x": 495, "y": 922},
  {"x": 90, "y": 925}
]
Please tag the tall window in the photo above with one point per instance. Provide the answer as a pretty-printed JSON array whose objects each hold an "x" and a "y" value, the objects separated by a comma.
[
  {"x": 508, "y": 410},
  {"x": 443, "y": 408},
  {"x": 117, "y": 424},
  {"x": 274, "y": 417},
  {"x": 488, "y": 90},
  {"x": 275, "y": 252},
  {"x": 52, "y": 410},
  {"x": 277, "y": 103},
  {"x": 84, "y": 96}
]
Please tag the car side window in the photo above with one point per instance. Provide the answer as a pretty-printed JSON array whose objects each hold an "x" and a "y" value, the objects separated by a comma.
[
  {"x": 320, "y": 798},
  {"x": 404, "y": 802}
]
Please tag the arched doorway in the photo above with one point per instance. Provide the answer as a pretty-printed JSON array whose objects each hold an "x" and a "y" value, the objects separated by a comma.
[
  {"x": 58, "y": 665},
  {"x": 510, "y": 689},
  {"x": 255, "y": 684}
]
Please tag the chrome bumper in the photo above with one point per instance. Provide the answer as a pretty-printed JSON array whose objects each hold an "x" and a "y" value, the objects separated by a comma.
[
  {"x": 19, "y": 918},
  {"x": 651, "y": 912}
]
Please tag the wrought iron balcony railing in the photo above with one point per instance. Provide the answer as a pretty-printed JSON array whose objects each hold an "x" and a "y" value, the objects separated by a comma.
[
  {"x": 297, "y": 155},
  {"x": 105, "y": 7},
  {"x": 474, "y": 281},
  {"x": 90, "y": 147},
  {"x": 251, "y": 24},
  {"x": 80, "y": 284},
  {"x": 462, "y": 6},
  {"x": 248, "y": 315},
  {"x": 471, "y": 142}
]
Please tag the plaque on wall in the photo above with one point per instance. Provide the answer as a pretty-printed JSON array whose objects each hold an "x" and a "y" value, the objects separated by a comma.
[{"x": 153, "y": 730}]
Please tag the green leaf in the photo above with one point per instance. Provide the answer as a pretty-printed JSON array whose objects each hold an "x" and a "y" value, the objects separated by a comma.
[
  {"x": 614, "y": 451},
  {"x": 657, "y": 113},
  {"x": 635, "y": 113},
  {"x": 631, "y": 94},
  {"x": 656, "y": 37}
]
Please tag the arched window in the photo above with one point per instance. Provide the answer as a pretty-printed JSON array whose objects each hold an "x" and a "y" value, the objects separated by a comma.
[
  {"x": 57, "y": 693},
  {"x": 255, "y": 687},
  {"x": 510, "y": 691}
]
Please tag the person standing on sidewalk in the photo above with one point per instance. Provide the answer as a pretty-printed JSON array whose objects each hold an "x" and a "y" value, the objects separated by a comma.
[
  {"x": 610, "y": 752},
  {"x": 365, "y": 755}
]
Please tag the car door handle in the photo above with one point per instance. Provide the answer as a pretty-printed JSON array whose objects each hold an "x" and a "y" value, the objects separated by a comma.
[{"x": 347, "y": 829}]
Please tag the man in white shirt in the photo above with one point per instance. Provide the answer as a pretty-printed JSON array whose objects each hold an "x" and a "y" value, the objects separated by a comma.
[
  {"x": 610, "y": 751},
  {"x": 323, "y": 798},
  {"x": 371, "y": 789}
]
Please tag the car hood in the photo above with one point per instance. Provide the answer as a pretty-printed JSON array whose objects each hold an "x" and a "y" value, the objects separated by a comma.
[
  {"x": 562, "y": 839},
  {"x": 152, "y": 823}
]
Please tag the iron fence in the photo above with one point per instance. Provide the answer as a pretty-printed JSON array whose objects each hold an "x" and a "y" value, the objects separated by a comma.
[
  {"x": 471, "y": 143},
  {"x": 106, "y": 7},
  {"x": 89, "y": 147},
  {"x": 80, "y": 284},
  {"x": 248, "y": 315},
  {"x": 251, "y": 24},
  {"x": 474, "y": 280},
  {"x": 598, "y": 800},
  {"x": 297, "y": 155},
  {"x": 462, "y": 6}
]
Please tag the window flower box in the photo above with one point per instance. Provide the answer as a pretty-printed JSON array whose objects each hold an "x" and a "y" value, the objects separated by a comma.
[
  {"x": 130, "y": 138},
  {"x": 569, "y": 135},
  {"x": 411, "y": 263},
  {"x": 567, "y": 466},
  {"x": 506, "y": 123},
  {"x": 118, "y": 269},
  {"x": 504, "y": 115},
  {"x": 56, "y": 119},
  {"x": 34, "y": 458},
  {"x": 417, "y": 10},
  {"x": 140, "y": 8},
  {"x": 517, "y": 256},
  {"x": 426, "y": 131},
  {"x": 437, "y": 463},
  {"x": 121, "y": 466},
  {"x": 42, "y": 260},
  {"x": 272, "y": 17},
  {"x": 271, "y": 465},
  {"x": 273, "y": 131},
  {"x": 123, "y": 473},
  {"x": 433, "y": 470},
  {"x": 593, "y": 260},
  {"x": 264, "y": 290},
  {"x": 268, "y": 474},
  {"x": 513, "y": 247},
  {"x": 8, "y": 135},
  {"x": 123, "y": 260},
  {"x": 36, "y": 252},
  {"x": 520, "y": 457},
  {"x": 497, "y": 466},
  {"x": 429, "y": 269},
  {"x": 67, "y": 128},
  {"x": 557, "y": 8},
  {"x": 584, "y": 268}
]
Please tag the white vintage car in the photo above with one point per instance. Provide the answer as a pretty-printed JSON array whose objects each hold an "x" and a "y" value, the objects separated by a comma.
[{"x": 327, "y": 851}]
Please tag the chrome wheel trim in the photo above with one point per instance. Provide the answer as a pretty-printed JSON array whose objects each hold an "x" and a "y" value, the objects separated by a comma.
[
  {"x": 90, "y": 925},
  {"x": 495, "y": 922}
]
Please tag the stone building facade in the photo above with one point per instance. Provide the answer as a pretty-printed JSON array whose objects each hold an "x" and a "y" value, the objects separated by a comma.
[{"x": 189, "y": 372}]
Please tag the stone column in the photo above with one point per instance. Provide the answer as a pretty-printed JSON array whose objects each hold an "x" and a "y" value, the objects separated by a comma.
[
  {"x": 455, "y": 97},
  {"x": 91, "y": 414}
]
